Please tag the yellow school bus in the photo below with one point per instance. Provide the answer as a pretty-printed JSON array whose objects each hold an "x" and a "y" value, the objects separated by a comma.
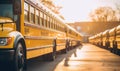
[
  {"x": 74, "y": 38},
  {"x": 28, "y": 29},
  {"x": 105, "y": 36},
  {"x": 100, "y": 39},
  {"x": 116, "y": 48},
  {"x": 91, "y": 39},
  {"x": 112, "y": 38}
]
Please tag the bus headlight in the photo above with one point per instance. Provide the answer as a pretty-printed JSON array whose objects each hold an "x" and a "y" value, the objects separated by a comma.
[{"x": 5, "y": 41}]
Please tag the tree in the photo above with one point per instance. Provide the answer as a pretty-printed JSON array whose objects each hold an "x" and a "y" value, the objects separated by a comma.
[
  {"x": 48, "y": 3},
  {"x": 51, "y": 5},
  {"x": 103, "y": 14},
  {"x": 118, "y": 11}
]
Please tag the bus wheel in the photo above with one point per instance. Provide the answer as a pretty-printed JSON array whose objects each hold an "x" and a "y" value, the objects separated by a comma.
[
  {"x": 49, "y": 57},
  {"x": 66, "y": 49},
  {"x": 119, "y": 52},
  {"x": 52, "y": 56},
  {"x": 19, "y": 59}
]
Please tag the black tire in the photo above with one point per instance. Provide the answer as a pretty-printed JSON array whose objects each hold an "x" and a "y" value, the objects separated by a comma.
[
  {"x": 66, "y": 49},
  {"x": 115, "y": 50},
  {"x": 118, "y": 52},
  {"x": 19, "y": 59},
  {"x": 51, "y": 56}
]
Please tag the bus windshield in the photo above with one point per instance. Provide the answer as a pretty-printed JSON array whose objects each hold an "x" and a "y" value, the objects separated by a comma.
[{"x": 6, "y": 8}]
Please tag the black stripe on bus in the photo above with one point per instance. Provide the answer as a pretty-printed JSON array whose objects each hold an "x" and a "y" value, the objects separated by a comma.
[
  {"x": 39, "y": 47},
  {"x": 38, "y": 37}
]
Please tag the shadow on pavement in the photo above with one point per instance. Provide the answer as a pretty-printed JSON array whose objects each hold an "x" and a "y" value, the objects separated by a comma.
[
  {"x": 38, "y": 64},
  {"x": 69, "y": 55}
]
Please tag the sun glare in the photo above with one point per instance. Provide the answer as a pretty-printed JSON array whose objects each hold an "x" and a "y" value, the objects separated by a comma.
[{"x": 78, "y": 10}]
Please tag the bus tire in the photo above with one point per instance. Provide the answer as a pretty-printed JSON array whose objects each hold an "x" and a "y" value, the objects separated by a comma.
[
  {"x": 19, "y": 58},
  {"x": 51, "y": 56},
  {"x": 118, "y": 52},
  {"x": 66, "y": 48}
]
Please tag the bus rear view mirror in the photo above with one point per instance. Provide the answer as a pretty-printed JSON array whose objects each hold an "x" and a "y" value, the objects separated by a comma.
[{"x": 17, "y": 7}]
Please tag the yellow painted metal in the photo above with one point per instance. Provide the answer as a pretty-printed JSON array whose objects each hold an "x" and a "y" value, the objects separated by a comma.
[
  {"x": 111, "y": 38},
  {"x": 22, "y": 19},
  {"x": 7, "y": 31},
  {"x": 118, "y": 41},
  {"x": 39, "y": 52}
]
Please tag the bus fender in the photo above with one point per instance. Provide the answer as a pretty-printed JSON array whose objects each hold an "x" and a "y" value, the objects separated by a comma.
[{"x": 19, "y": 39}]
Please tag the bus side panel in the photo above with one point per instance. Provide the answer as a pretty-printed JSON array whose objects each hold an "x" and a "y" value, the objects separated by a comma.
[
  {"x": 118, "y": 41},
  {"x": 61, "y": 44},
  {"x": 39, "y": 52},
  {"x": 111, "y": 38},
  {"x": 38, "y": 41},
  {"x": 38, "y": 47},
  {"x": 104, "y": 39}
]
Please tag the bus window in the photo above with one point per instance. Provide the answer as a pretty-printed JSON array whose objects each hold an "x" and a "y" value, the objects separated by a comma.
[
  {"x": 57, "y": 25},
  {"x": 26, "y": 12},
  {"x": 41, "y": 18},
  {"x": 37, "y": 17},
  {"x": 48, "y": 22},
  {"x": 53, "y": 24},
  {"x": 32, "y": 14},
  {"x": 45, "y": 18}
]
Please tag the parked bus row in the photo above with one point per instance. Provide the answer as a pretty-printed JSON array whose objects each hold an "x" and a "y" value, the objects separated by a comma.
[
  {"x": 28, "y": 29},
  {"x": 109, "y": 39}
]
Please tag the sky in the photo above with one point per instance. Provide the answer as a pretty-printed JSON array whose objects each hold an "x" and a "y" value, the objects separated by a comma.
[{"x": 78, "y": 10}]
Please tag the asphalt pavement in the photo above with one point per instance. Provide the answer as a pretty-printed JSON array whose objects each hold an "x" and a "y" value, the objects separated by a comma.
[{"x": 83, "y": 58}]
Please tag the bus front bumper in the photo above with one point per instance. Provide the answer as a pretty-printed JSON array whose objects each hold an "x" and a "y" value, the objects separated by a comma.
[{"x": 6, "y": 55}]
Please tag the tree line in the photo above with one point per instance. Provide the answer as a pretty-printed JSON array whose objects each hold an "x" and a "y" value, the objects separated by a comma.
[{"x": 105, "y": 14}]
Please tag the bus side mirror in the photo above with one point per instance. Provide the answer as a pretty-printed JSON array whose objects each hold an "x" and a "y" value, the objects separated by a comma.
[{"x": 17, "y": 7}]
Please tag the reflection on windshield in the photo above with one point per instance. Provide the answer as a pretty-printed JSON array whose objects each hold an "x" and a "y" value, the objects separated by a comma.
[{"x": 6, "y": 10}]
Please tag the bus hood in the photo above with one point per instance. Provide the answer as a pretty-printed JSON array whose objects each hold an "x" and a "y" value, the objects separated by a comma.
[
  {"x": 6, "y": 26},
  {"x": 5, "y": 19}
]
